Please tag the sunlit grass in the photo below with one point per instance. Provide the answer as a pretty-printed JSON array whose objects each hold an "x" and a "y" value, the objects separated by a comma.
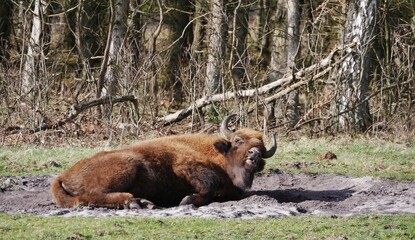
[
  {"x": 340, "y": 227},
  {"x": 356, "y": 157},
  {"x": 40, "y": 160}
]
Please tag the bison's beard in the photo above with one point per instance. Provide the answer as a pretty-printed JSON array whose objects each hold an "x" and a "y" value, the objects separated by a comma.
[{"x": 242, "y": 178}]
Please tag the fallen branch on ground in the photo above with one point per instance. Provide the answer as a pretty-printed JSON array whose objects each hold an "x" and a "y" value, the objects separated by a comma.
[
  {"x": 75, "y": 110},
  {"x": 303, "y": 121},
  {"x": 325, "y": 64}
]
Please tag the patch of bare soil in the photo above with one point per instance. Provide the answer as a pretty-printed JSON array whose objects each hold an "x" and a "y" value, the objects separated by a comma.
[{"x": 272, "y": 195}]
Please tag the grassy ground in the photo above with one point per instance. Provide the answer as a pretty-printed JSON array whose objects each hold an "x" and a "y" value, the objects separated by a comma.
[
  {"x": 356, "y": 157},
  {"x": 40, "y": 159},
  {"x": 359, "y": 227}
]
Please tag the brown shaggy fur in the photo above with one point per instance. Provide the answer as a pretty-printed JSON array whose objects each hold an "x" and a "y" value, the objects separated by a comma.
[{"x": 184, "y": 169}]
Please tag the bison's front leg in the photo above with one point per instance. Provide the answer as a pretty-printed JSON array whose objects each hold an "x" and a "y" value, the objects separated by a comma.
[
  {"x": 139, "y": 203},
  {"x": 197, "y": 199},
  {"x": 227, "y": 193},
  {"x": 209, "y": 183}
]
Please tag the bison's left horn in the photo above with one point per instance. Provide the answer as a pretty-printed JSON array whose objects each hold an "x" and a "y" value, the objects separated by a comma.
[
  {"x": 224, "y": 128},
  {"x": 269, "y": 153}
]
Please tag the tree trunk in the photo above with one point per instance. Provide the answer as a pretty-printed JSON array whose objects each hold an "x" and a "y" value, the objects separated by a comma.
[
  {"x": 135, "y": 34},
  {"x": 354, "y": 72},
  {"x": 198, "y": 29},
  {"x": 264, "y": 34},
  {"x": 82, "y": 45},
  {"x": 238, "y": 48},
  {"x": 58, "y": 27},
  {"x": 216, "y": 49},
  {"x": 116, "y": 50},
  {"x": 198, "y": 44},
  {"x": 277, "y": 58},
  {"x": 34, "y": 48},
  {"x": 111, "y": 70},
  {"x": 177, "y": 19},
  {"x": 5, "y": 29},
  {"x": 292, "y": 54},
  {"x": 277, "y": 64},
  {"x": 21, "y": 25},
  {"x": 88, "y": 25},
  {"x": 196, "y": 74}
]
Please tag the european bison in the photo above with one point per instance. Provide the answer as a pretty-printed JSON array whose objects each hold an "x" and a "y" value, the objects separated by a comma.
[{"x": 183, "y": 169}]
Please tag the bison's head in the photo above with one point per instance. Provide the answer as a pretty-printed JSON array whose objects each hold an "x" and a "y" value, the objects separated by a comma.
[{"x": 245, "y": 152}]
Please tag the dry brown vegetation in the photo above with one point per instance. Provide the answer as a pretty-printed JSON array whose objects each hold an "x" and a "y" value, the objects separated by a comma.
[{"x": 161, "y": 70}]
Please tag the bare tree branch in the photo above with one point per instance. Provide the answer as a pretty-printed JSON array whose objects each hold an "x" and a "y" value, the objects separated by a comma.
[
  {"x": 325, "y": 64},
  {"x": 75, "y": 110}
]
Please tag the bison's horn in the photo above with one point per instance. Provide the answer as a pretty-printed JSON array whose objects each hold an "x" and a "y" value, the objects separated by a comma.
[
  {"x": 224, "y": 128},
  {"x": 269, "y": 153}
]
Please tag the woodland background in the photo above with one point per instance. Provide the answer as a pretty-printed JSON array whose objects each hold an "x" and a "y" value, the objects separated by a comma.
[{"x": 115, "y": 69}]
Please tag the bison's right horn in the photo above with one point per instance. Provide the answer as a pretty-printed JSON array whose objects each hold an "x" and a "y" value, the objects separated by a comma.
[
  {"x": 269, "y": 153},
  {"x": 224, "y": 128}
]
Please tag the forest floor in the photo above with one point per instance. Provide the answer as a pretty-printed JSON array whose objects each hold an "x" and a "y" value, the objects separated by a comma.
[{"x": 272, "y": 195}]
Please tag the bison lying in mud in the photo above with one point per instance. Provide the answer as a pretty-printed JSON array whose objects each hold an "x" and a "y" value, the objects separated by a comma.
[{"x": 183, "y": 169}]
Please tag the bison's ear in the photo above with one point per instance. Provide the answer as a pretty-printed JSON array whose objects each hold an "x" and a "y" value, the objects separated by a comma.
[{"x": 222, "y": 147}]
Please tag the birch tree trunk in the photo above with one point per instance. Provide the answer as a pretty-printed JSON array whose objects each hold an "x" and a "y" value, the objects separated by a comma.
[
  {"x": 354, "y": 72},
  {"x": 34, "y": 48},
  {"x": 216, "y": 49}
]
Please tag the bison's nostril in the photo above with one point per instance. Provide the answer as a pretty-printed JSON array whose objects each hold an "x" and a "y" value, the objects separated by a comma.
[{"x": 253, "y": 154}]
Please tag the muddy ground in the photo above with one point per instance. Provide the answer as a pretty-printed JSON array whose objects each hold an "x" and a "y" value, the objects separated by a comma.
[{"x": 272, "y": 195}]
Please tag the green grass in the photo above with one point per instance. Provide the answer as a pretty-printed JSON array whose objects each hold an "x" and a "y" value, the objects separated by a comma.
[
  {"x": 358, "y": 227},
  {"x": 356, "y": 157},
  {"x": 41, "y": 160}
]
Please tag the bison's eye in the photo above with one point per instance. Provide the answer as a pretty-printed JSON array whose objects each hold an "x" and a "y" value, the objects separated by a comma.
[{"x": 238, "y": 141}]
